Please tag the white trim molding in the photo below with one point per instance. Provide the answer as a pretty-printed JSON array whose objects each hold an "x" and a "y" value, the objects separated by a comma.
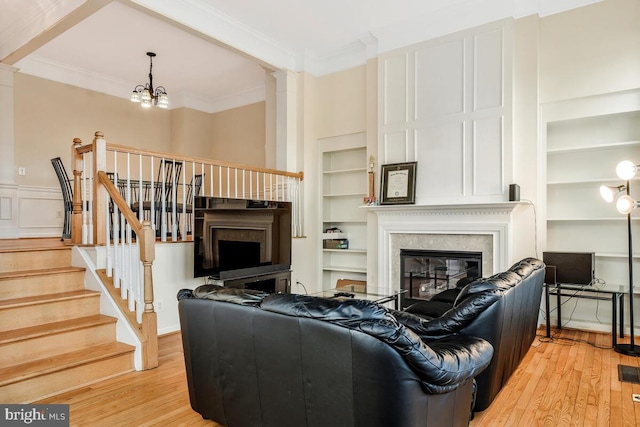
[{"x": 491, "y": 219}]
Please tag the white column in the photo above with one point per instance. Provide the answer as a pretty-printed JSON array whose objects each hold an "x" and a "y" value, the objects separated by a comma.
[
  {"x": 8, "y": 188},
  {"x": 286, "y": 119},
  {"x": 270, "y": 120}
]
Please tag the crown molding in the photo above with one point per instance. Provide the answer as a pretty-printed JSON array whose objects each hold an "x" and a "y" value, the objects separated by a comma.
[
  {"x": 239, "y": 99},
  {"x": 200, "y": 16},
  {"x": 457, "y": 17},
  {"x": 73, "y": 76}
]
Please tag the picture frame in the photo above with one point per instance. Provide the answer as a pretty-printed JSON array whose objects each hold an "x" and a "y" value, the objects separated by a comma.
[{"x": 398, "y": 183}]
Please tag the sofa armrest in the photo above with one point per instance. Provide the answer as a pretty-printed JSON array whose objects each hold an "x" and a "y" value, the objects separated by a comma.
[
  {"x": 451, "y": 322},
  {"x": 454, "y": 360}
]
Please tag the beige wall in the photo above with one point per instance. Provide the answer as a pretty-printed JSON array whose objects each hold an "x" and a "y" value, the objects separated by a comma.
[
  {"x": 191, "y": 132},
  {"x": 239, "y": 135},
  {"x": 591, "y": 50},
  {"x": 342, "y": 103},
  {"x": 48, "y": 115}
]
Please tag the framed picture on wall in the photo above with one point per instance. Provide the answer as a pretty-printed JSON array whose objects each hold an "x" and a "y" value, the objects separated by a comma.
[{"x": 398, "y": 184}]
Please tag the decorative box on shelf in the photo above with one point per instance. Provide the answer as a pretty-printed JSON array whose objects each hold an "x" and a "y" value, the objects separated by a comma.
[{"x": 335, "y": 244}]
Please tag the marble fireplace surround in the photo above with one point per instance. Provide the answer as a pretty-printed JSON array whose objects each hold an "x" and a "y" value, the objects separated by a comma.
[{"x": 485, "y": 228}]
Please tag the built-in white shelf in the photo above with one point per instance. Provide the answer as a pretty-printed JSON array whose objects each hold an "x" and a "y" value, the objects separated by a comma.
[
  {"x": 345, "y": 195},
  {"x": 345, "y": 221},
  {"x": 615, "y": 255},
  {"x": 585, "y": 139},
  {"x": 353, "y": 251},
  {"x": 596, "y": 181},
  {"x": 344, "y": 269},
  {"x": 613, "y": 218},
  {"x": 345, "y": 171},
  {"x": 344, "y": 180},
  {"x": 592, "y": 147}
]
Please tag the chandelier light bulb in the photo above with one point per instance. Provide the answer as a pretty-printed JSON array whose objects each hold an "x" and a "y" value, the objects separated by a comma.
[
  {"x": 625, "y": 204},
  {"x": 146, "y": 95},
  {"x": 626, "y": 170}
]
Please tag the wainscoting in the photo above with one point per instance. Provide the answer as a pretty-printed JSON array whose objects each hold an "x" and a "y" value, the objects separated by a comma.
[{"x": 29, "y": 211}]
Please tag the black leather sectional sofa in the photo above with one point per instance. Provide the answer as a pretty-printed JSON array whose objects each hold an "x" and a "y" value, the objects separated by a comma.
[
  {"x": 502, "y": 309},
  {"x": 254, "y": 359},
  {"x": 296, "y": 360}
]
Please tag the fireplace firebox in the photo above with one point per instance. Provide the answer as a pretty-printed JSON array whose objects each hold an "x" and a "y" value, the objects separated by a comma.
[{"x": 424, "y": 273}]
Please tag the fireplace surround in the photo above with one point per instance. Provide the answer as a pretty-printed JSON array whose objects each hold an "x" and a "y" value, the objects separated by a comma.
[{"x": 485, "y": 228}]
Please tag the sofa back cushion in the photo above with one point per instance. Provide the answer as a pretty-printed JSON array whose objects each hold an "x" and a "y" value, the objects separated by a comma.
[{"x": 440, "y": 372}]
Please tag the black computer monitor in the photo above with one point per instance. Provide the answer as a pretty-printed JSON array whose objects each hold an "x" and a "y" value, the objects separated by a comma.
[{"x": 576, "y": 268}]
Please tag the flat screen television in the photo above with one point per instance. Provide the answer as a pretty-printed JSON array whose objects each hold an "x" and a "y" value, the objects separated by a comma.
[{"x": 235, "y": 238}]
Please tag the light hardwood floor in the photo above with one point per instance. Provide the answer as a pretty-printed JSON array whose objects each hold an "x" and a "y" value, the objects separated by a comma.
[{"x": 570, "y": 381}]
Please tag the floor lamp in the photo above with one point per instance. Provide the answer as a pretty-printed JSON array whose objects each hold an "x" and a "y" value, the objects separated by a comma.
[{"x": 625, "y": 205}]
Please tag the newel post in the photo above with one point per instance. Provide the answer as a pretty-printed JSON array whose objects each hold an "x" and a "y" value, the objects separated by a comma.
[
  {"x": 149, "y": 317},
  {"x": 76, "y": 216},
  {"x": 100, "y": 193}
]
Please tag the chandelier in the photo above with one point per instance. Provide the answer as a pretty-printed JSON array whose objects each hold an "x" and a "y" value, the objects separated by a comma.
[{"x": 146, "y": 95}]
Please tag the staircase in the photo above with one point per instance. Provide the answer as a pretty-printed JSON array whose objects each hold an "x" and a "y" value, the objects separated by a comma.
[{"x": 52, "y": 335}]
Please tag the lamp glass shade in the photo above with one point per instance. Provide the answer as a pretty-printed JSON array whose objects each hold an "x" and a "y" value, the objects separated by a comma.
[
  {"x": 607, "y": 193},
  {"x": 625, "y": 204},
  {"x": 135, "y": 96},
  {"x": 626, "y": 170}
]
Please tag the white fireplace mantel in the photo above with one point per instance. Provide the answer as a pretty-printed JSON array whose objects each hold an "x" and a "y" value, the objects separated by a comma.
[{"x": 493, "y": 221}]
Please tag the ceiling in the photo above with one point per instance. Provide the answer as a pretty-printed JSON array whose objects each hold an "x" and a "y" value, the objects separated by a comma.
[{"x": 213, "y": 54}]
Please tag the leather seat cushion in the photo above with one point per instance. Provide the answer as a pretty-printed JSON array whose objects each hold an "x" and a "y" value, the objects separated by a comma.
[{"x": 429, "y": 308}]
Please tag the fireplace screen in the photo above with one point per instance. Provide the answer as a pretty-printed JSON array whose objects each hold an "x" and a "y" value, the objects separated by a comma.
[{"x": 424, "y": 273}]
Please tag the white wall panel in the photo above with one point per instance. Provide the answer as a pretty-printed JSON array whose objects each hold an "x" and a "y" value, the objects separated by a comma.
[
  {"x": 395, "y": 147},
  {"x": 40, "y": 211},
  {"x": 439, "y": 84},
  {"x": 440, "y": 154},
  {"x": 453, "y": 94},
  {"x": 487, "y": 157},
  {"x": 488, "y": 60},
  {"x": 395, "y": 100}
]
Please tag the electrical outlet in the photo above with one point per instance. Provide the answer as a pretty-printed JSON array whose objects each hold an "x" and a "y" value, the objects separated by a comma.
[
  {"x": 635, "y": 397},
  {"x": 22, "y": 171},
  {"x": 159, "y": 305}
]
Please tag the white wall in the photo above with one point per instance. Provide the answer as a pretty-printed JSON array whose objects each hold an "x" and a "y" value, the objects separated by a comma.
[{"x": 172, "y": 271}]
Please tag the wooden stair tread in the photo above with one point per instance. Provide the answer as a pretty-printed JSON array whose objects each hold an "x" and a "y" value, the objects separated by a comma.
[
  {"x": 40, "y": 272},
  {"x": 35, "y": 244},
  {"x": 54, "y": 328},
  {"x": 35, "y": 249},
  {"x": 24, "y": 371},
  {"x": 42, "y": 299}
]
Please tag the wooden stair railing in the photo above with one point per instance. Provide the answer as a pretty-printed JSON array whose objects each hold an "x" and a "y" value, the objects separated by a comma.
[
  {"x": 125, "y": 198},
  {"x": 147, "y": 330}
]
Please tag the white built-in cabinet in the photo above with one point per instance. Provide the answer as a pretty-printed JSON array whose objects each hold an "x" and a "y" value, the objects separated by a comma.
[
  {"x": 343, "y": 187},
  {"x": 585, "y": 139}
]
